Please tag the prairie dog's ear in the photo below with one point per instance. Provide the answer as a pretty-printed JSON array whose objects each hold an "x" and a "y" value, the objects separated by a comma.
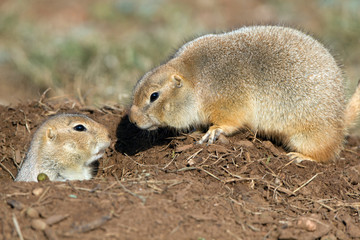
[
  {"x": 178, "y": 80},
  {"x": 50, "y": 134}
]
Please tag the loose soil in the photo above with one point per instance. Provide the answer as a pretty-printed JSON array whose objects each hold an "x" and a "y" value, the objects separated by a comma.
[{"x": 163, "y": 186}]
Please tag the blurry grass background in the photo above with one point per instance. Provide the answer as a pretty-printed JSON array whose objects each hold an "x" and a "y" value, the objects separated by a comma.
[{"x": 95, "y": 51}]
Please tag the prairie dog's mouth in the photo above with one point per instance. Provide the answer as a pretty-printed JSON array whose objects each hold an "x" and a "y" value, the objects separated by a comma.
[
  {"x": 100, "y": 152},
  {"x": 152, "y": 128},
  {"x": 149, "y": 127}
]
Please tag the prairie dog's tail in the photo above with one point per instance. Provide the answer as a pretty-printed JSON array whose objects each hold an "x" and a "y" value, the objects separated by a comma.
[{"x": 352, "y": 110}]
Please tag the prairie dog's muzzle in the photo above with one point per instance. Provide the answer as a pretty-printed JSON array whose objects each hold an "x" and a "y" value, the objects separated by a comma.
[{"x": 133, "y": 115}]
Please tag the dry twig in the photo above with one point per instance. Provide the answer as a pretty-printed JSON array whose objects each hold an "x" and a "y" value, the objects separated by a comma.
[
  {"x": 143, "y": 199},
  {"x": 17, "y": 227},
  {"x": 7, "y": 170},
  {"x": 307, "y": 182}
]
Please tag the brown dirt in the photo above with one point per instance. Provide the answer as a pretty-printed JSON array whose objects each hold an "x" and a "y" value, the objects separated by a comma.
[{"x": 162, "y": 186}]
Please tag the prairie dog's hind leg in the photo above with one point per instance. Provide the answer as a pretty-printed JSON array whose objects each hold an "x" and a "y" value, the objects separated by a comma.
[{"x": 316, "y": 146}]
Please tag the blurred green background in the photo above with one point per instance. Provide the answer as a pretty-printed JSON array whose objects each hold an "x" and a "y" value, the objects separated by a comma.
[{"x": 95, "y": 51}]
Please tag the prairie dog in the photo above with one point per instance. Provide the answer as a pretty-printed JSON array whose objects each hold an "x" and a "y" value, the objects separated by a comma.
[
  {"x": 277, "y": 81},
  {"x": 63, "y": 148}
]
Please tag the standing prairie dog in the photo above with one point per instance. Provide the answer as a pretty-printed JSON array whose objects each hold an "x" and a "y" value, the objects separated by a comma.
[
  {"x": 277, "y": 81},
  {"x": 64, "y": 147}
]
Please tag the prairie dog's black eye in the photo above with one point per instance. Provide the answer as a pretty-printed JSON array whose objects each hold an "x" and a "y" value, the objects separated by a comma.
[
  {"x": 154, "y": 96},
  {"x": 80, "y": 128}
]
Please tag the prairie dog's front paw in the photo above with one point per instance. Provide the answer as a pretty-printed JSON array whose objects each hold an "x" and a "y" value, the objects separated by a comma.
[{"x": 211, "y": 135}]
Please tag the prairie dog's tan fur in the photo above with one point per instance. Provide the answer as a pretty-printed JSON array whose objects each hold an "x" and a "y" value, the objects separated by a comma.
[
  {"x": 63, "y": 148},
  {"x": 274, "y": 80}
]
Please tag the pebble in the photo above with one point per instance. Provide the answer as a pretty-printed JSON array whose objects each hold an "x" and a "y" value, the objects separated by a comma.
[
  {"x": 307, "y": 224},
  {"x": 15, "y": 204},
  {"x": 38, "y": 224},
  {"x": 32, "y": 213},
  {"x": 37, "y": 191}
]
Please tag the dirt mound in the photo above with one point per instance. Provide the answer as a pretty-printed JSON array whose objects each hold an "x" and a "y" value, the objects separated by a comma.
[{"x": 162, "y": 186}]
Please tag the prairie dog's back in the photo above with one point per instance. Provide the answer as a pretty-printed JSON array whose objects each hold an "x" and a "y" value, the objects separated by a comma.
[{"x": 281, "y": 71}]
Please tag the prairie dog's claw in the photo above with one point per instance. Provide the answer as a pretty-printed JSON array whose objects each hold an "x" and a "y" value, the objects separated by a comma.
[
  {"x": 211, "y": 136},
  {"x": 298, "y": 157}
]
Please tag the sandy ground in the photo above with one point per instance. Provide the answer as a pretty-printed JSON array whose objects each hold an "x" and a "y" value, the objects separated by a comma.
[{"x": 162, "y": 186}]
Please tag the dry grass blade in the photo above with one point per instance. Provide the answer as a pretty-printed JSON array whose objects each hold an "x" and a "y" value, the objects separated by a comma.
[
  {"x": 140, "y": 164},
  {"x": 42, "y": 195},
  {"x": 7, "y": 170},
  {"x": 17, "y": 227},
  {"x": 143, "y": 199},
  {"x": 306, "y": 183},
  {"x": 201, "y": 169}
]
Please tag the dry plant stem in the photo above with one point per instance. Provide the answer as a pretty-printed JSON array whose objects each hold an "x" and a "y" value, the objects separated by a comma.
[
  {"x": 143, "y": 199},
  {"x": 7, "y": 170},
  {"x": 306, "y": 183},
  {"x": 26, "y": 121},
  {"x": 287, "y": 164},
  {"x": 168, "y": 164},
  {"x": 42, "y": 97},
  {"x": 233, "y": 235},
  {"x": 140, "y": 164},
  {"x": 42, "y": 195},
  {"x": 322, "y": 204},
  {"x": 17, "y": 227},
  {"x": 270, "y": 185},
  {"x": 351, "y": 151},
  {"x": 201, "y": 169},
  {"x": 194, "y": 155}
]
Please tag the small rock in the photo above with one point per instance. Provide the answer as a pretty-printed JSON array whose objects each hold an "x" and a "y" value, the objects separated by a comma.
[
  {"x": 32, "y": 213},
  {"x": 307, "y": 224},
  {"x": 18, "y": 157},
  {"x": 191, "y": 162},
  {"x": 37, "y": 191},
  {"x": 15, "y": 204},
  {"x": 38, "y": 224}
]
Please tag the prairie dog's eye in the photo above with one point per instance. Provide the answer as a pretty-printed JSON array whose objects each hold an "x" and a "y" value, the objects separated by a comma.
[
  {"x": 80, "y": 128},
  {"x": 154, "y": 96}
]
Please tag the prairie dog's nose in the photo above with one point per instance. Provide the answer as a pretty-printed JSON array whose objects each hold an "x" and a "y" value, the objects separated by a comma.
[{"x": 132, "y": 115}]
